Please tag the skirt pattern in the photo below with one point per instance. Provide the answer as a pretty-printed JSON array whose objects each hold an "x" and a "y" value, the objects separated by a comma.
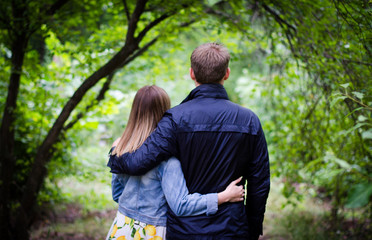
[{"x": 126, "y": 228}]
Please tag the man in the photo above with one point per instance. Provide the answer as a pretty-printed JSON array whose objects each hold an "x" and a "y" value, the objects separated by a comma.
[{"x": 216, "y": 141}]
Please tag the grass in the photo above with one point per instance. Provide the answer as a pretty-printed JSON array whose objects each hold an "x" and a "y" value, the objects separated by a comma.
[
  {"x": 291, "y": 221},
  {"x": 94, "y": 225},
  {"x": 90, "y": 211},
  {"x": 308, "y": 219},
  {"x": 92, "y": 195},
  {"x": 87, "y": 212}
]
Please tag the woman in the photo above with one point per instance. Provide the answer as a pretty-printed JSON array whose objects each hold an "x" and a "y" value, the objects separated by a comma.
[{"x": 144, "y": 200}]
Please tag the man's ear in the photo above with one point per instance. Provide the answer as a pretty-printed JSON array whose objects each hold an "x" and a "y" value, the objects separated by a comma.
[
  {"x": 227, "y": 74},
  {"x": 192, "y": 75}
]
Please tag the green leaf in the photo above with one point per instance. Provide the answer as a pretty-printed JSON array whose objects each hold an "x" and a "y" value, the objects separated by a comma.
[
  {"x": 357, "y": 109},
  {"x": 359, "y": 195},
  {"x": 362, "y": 118},
  {"x": 337, "y": 99},
  {"x": 358, "y": 95},
  {"x": 212, "y": 2},
  {"x": 345, "y": 85},
  {"x": 342, "y": 163},
  {"x": 358, "y": 125},
  {"x": 313, "y": 163},
  {"x": 133, "y": 232},
  {"x": 367, "y": 134}
]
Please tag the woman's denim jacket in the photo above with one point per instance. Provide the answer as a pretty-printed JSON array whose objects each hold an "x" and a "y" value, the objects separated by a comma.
[{"x": 144, "y": 198}]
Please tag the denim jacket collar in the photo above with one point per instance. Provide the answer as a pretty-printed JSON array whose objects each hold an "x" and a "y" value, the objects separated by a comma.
[{"x": 207, "y": 90}]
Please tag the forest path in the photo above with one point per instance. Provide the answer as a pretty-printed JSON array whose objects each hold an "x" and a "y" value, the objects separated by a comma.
[{"x": 72, "y": 223}]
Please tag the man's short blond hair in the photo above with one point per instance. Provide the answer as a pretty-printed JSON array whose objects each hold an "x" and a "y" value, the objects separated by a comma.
[{"x": 209, "y": 62}]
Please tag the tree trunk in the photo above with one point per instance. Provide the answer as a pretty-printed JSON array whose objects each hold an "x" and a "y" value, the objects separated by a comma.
[
  {"x": 7, "y": 134},
  {"x": 17, "y": 227},
  {"x": 44, "y": 154}
]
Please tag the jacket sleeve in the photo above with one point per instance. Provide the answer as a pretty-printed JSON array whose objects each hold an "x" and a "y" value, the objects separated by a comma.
[
  {"x": 258, "y": 176},
  {"x": 117, "y": 187},
  {"x": 177, "y": 195},
  {"x": 159, "y": 146}
]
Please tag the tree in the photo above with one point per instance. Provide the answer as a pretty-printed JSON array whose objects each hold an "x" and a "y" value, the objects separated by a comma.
[
  {"x": 315, "y": 93},
  {"x": 331, "y": 40},
  {"x": 321, "y": 124},
  {"x": 23, "y": 21},
  {"x": 99, "y": 38}
]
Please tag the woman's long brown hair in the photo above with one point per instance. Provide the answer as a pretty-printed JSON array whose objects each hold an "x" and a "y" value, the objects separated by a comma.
[{"x": 149, "y": 105}]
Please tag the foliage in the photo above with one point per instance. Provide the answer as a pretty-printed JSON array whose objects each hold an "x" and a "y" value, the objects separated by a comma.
[
  {"x": 59, "y": 52},
  {"x": 315, "y": 98},
  {"x": 304, "y": 68},
  {"x": 309, "y": 218}
]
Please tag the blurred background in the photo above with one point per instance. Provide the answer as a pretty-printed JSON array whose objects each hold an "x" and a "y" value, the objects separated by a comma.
[{"x": 69, "y": 71}]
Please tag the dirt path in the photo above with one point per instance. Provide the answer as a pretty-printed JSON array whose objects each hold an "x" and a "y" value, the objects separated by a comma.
[{"x": 72, "y": 223}]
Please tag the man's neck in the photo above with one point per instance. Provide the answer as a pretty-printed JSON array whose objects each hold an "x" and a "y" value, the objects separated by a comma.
[{"x": 197, "y": 84}]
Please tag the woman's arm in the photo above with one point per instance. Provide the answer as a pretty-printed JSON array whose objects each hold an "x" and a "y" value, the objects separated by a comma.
[
  {"x": 159, "y": 146},
  {"x": 184, "y": 204},
  {"x": 116, "y": 187},
  {"x": 233, "y": 193},
  {"x": 117, "y": 183}
]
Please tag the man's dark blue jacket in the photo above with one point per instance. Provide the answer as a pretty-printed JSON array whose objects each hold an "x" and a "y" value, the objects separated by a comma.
[{"x": 216, "y": 141}]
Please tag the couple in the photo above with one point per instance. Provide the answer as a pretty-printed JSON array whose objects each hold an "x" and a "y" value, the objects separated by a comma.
[{"x": 206, "y": 143}]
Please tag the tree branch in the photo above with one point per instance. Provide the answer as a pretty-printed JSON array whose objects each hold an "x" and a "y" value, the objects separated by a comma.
[
  {"x": 132, "y": 25},
  {"x": 43, "y": 155},
  {"x": 100, "y": 96},
  {"x": 359, "y": 32},
  {"x": 327, "y": 55},
  {"x": 126, "y": 9},
  {"x": 287, "y": 29},
  {"x": 4, "y": 18},
  {"x": 278, "y": 18},
  {"x": 153, "y": 24},
  {"x": 7, "y": 159},
  {"x": 56, "y": 6},
  {"x": 357, "y": 101},
  {"x": 139, "y": 52},
  {"x": 106, "y": 85},
  {"x": 109, "y": 78},
  {"x": 308, "y": 115},
  {"x": 38, "y": 170},
  {"x": 188, "y": 23},
  {"x": 233, "y": 20}
]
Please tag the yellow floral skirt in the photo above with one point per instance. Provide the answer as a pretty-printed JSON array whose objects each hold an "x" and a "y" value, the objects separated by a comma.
[{"x": 125, "y": 228}]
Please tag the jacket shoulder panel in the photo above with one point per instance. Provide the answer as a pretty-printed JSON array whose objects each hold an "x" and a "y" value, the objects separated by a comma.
[{"x": 214, "y": 115}]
